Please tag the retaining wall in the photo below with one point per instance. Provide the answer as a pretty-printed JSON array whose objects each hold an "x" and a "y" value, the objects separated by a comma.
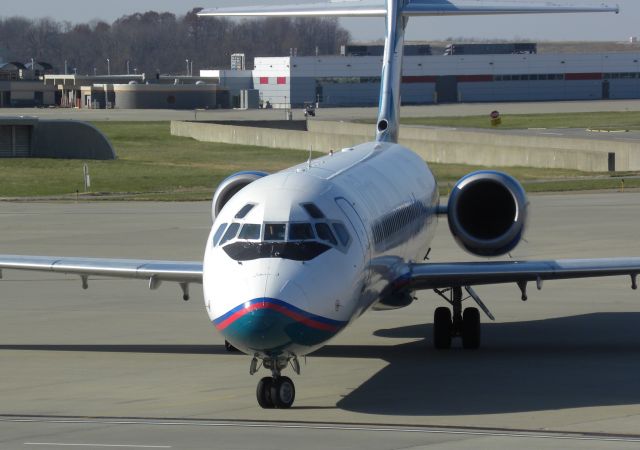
[{"x": 438, "y": 145}]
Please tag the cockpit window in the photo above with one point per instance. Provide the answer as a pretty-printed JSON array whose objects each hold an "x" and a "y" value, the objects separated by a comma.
[
  {"x": 218, "y": 233},
  {"x": 325, "y": 233},
  {"x": 342, "y": 233},
  {"x": 231, "y": 232},
  {"x": 295, "y": 251},
  {"x": 313, "y": 211},
  {"x": 274, "y": 231},
  {"x": 300, "y": 232},
  {"x": 250, "y": 231},
  {"x": 244, "y": 211}
]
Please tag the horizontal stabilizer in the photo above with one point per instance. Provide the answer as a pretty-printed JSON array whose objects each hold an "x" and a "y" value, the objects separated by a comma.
[
  {"x": 343, "y": 9},
  {"x": 479, "y": 7},
  {"x": 374, "y": 8}
]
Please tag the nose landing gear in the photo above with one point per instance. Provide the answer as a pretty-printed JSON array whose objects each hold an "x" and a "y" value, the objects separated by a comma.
[{"x": 276, "y": 391}]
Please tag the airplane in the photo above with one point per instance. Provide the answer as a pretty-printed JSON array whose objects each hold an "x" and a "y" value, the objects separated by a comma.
[{"x": 294, "y": 257}]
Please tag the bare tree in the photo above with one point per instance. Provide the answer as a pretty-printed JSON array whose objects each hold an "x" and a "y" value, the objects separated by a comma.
[{"x": 159, "y": 41}]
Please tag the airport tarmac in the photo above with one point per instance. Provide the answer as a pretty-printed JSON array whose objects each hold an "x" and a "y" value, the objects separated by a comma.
[
  {"x": 455, "y": 110},
  {"x": 121, "y": 366}
]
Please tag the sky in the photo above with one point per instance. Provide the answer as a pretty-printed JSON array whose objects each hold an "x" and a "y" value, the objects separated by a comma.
[{"x": 590, "y": 27}]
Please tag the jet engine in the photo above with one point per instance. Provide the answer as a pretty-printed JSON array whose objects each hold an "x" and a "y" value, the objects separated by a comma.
[
  {"x": 487, "y": 213},
  {"x": 229, "y": 187}
]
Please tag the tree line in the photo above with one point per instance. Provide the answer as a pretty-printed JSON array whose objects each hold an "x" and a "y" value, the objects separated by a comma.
[{"x": 153, "y": 41}]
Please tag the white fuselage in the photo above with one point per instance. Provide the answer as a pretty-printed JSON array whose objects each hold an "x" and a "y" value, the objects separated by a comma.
[{"x": 281, "y": 277}]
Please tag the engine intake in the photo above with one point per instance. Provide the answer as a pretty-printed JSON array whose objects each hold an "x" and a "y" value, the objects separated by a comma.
[
  {"x": 487, "y": 213},
  {"x": 229, "y": 187}
]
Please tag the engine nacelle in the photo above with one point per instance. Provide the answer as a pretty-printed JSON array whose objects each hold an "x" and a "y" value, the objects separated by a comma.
[
  {"x": 229, "y": 187},
  {"x": 487, "y": 213}
]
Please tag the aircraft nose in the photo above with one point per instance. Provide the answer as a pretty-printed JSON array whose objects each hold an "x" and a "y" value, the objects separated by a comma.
[{"x": 273, "y": 324}]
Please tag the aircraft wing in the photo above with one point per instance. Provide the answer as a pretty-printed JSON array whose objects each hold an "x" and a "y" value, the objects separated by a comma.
[
  {"x": 345, "y": 8},
  {"x": 155, "y": 271},
  {"x": 446, "y": 275}
]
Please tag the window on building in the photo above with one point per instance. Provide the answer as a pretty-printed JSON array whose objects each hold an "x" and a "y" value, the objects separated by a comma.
[
  {"x": 281, "y": 80},
  {"x": 264, "y": 80}
]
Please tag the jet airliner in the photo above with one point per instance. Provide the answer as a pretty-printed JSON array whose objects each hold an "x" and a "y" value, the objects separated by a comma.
[{"x": 294, "y": 257}]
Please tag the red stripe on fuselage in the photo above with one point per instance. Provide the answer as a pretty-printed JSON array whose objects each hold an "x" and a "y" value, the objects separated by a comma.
[{"x": 282, "y": 310}]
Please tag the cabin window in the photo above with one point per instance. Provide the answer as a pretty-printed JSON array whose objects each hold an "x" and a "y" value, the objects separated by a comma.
[
  {"x": 231, "y": 232},
  {"x": 218, "y": 233},
  {"x": 250, "y": 231},
  {"x": 324, "y": 233},
  {"x": 244, "y": 211},
  {"x": 300, "y": 232},
  {"x": 274, "y": 231}
]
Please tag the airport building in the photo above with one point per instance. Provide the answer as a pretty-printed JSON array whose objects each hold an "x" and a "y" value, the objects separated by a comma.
[
  {"x": 138, "y": 92},
  {"x": 20, "y": 85},
  {"x": 355, "y": 80},
  {"x": 465, "y": 73}
]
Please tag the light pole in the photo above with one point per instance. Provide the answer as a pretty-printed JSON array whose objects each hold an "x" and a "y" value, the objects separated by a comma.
[
  {"x": 108, "y": 66},
  {"x": 128, "y": 72},
  {"x": 187, "y": 61},
  {"x": 65, "y": 67}
]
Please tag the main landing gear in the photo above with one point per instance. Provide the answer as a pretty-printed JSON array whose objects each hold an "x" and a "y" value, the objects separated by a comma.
[
  {"x": 276, "y": 391},
  {"x": 464, "y": 324}
]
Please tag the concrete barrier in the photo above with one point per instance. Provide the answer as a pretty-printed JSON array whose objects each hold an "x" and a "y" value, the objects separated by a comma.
[
  {"x": 439, "y": 145},
  {"x": 264, "y": 137}
]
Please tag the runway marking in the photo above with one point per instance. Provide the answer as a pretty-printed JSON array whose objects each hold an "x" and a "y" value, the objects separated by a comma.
[
  {"x": 59, "y": 444},
  {"x": 522, "y": 434},
  {"x": 553, "y": 134}
]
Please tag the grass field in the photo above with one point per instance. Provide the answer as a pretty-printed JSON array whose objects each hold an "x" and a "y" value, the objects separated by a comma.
[
  {"x": 601, "y": 121},
  {"x": 153, "y": 165}
]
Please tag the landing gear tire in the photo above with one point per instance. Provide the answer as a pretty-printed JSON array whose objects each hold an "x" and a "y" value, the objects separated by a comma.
[
  {"x": 283, "y": 392},
  {"x": 263, "y": 393},
  {"x": 230, "y": 348},
  {"x": 471, "y": 329},
  {"x": 442, "y": 328}
]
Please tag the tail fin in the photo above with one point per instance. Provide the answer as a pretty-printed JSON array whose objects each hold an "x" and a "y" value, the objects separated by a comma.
[{"x": 397, "y": 13}]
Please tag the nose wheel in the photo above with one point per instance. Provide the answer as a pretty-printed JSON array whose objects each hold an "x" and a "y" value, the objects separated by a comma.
[
  {"x": 465, "y": 325},
  {"x": 276, "y": 391}
]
